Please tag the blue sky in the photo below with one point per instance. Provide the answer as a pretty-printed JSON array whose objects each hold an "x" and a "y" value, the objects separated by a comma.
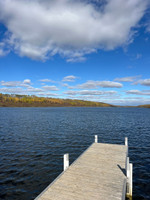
[{"x": 90, "y": 50}]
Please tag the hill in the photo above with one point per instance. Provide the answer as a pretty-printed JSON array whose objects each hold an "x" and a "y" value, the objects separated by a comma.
[
  {"x": 34, "y": 101},
  {"x": 145, "y": 106}
]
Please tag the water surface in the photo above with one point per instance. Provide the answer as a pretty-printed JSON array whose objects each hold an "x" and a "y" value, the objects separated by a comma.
[{"x": 33, "y": 141}]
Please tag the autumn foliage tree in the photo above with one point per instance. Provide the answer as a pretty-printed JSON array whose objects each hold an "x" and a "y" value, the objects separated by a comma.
[{"x": 34, "y": 101}]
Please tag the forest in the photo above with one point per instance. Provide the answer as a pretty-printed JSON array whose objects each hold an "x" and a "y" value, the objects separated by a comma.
[{"x": 7, "y": 100}]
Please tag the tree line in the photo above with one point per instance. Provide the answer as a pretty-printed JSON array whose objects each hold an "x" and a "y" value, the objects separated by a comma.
[{"x": 7, "y": 100}]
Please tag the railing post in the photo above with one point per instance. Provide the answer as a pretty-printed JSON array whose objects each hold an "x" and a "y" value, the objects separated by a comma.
[
  {"x": 129, "y": 174},
  {"x": 66, "y": 161},
  {"x": 126, "y": 144},
  {"x": 126, "y": 141},
  {"x": 128, "y": 168},
  {"x": 131, "y": 179},
  {"x": 96, "y": 139},
  {"x": 124, "y": 190}
]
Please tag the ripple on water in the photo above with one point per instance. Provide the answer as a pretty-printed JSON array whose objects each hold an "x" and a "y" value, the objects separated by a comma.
[{"x": 33, "y": 141}]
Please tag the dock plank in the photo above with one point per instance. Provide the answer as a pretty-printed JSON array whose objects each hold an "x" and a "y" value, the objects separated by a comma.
[{"x": 98, "y": 174}]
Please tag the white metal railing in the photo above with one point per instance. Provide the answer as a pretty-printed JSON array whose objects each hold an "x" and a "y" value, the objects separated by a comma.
[
  {"x": 124, "y": 189},
  {"x": 129, "y": 173},
  {"x": 66, "y": 156},
  {"x": 128, "y": 183}
]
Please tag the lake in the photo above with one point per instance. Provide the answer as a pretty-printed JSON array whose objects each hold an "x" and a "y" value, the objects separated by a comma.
[{"x": 33, "y": 141}]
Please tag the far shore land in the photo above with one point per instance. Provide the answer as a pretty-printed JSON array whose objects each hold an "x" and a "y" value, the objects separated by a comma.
[{"x": 13, "y": 100}]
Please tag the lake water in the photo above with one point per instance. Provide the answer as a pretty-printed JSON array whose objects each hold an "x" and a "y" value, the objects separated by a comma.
[{"x": 33, "y": 141}]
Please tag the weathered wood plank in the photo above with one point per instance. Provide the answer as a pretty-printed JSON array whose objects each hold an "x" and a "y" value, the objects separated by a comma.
[{"x": 97, "y": 174}]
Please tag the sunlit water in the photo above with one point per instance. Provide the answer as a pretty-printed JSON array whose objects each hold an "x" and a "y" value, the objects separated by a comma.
[{"x": 33, "y": 141}]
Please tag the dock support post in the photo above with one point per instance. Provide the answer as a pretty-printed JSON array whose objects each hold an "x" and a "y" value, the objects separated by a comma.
[
  {"x": 129, "y": 174},
  {"x": 66, "y": 161},
  {"x": 96, "y": 139}
]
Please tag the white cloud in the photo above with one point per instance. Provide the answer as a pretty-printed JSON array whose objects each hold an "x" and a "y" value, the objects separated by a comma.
[
  {"x": 12, "y": 90},
  {"x": 148, "y": 27},
  {"x": 28, "y": 91},
  {"x": 96, "y": 84},
  {"x": 127, "y": 79},
  {"x": 67, "y": 27},
  {"x": 10, "y": 83},
  {"x": 48, "y": 88},
  {"x": 3, "y": 52},
  {"x": 25, "y": 83},
  {"x": 32, "y": 89},
  {"x": 65, "y": 85},
  {"x": 128, "y": 101},
  {"x": 47, "y": 94},
  {"x": 145, "y": 82},
  {"x": 70, "y": 78},
  {"x": 138, "y": 92},
  {"x": 47, "y": 80},
  {"x": 90, "y": 92},
  {"x": 24, "y": 87},
  {"x": 114, "y": 99},
  {"x": 18, "y": 89},
  {"x": 74, "y": 59}
]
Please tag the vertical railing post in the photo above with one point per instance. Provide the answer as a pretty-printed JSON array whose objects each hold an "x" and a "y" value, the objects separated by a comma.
[
  {"x": 66, "y": 161},
  {"x": 126, "y": 144},
  {"x": 126, "y": 141},
  {"x": 131, "y": 179},
  {"x": 129, "y": 174},
  {"x": 128, "y": 168},
  {"x": 96, "y": 139}
]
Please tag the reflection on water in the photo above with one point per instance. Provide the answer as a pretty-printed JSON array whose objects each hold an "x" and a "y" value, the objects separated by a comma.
[{"x": 33, "y": 141}]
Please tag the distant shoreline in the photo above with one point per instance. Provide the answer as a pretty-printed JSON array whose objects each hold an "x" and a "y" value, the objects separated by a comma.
[
  {"x": 7, "y": 100},
  {"x": 34, "y": 101},
  {"x": 141, "y": 106}
]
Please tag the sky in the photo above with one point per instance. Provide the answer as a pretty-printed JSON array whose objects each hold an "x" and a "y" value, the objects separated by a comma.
[{"x": 97, "y": 50}]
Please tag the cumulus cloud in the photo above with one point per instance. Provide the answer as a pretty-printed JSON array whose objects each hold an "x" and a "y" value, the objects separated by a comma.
[
  {"x": 47, "y": 94},
  {"x": 28, "y": 91},
  {"x": 96, "y": 84},
  {"x": 148, "y": 27},
  {"x": 145, "y": 82},
  {"x": 52, "y": 87},
  {"x": 138, "y": 92},
  {"x": 3, "y": 51},
  {"x": 90, "y": 92},
  {"x": 128, "y": 101},
  {"x": 127, "y": 79},
  {"x": 47, "y": 80},
  {"x": 25, "y": 83},
  {"x": 70, "y": 78},
  {"x": 32, "y": 89},
  {"x": 24, "y": 87},
  {"x": 115, "y": 100},
  {"x": 10, "y": 83},
  {"x": 18, "y": 87},
  {"x": 67, "y": 27},
  {"x": 12, "y": 90}
]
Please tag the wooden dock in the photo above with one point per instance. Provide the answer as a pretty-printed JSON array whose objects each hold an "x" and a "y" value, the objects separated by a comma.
[{"x": 102, "y": 172}]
